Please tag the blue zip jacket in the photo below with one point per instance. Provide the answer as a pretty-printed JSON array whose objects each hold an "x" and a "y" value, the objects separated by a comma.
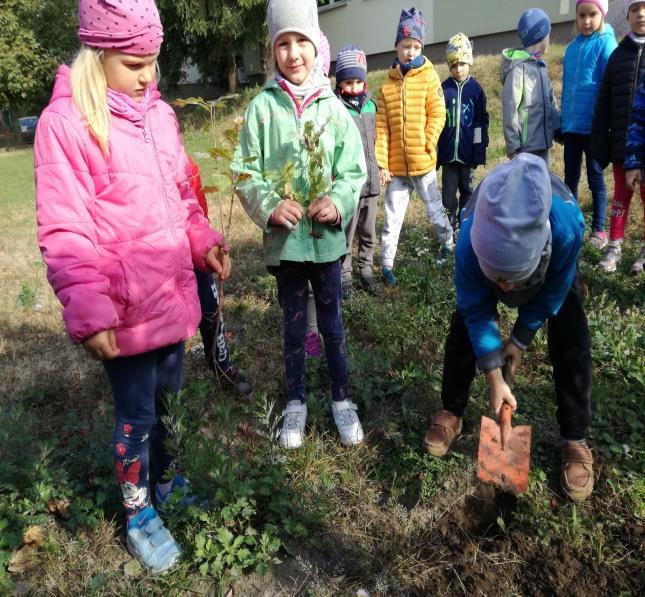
[
  {"x": 476, "y": 298},
  {"x": 583, "y": 67},
  {"x": 464, "y": 137}
]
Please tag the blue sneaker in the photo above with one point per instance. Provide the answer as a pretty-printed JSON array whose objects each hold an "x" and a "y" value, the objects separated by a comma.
[
  {"x": 389, "y": 277},
  {"x": 151, "y": 543},
  {"x": 179, "y": 494},
  {"x": 444, "y": 254}
]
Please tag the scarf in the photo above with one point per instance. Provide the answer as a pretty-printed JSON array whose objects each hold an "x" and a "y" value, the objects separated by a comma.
[
  {"x": 640, "y": 40},
  {"x": 356, "y": 101},
  {"x": 407, "y": 66},
  {"x": 524, "y": 292},
  {"x": 124, "y": 106}
]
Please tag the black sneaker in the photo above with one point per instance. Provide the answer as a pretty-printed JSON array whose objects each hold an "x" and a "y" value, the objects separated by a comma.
[
  {"x": 368, "y": 284},
  {"x": 237, "y": 379},
  {"x": 347, "y": 289}
]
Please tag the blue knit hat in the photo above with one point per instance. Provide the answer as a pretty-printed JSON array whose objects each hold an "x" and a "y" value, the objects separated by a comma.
[
  {"x": 511, "y": 223},
  {"x": 533, "y": 27},
  {"x": 351, "y": 63},
  {"x": 411, "y": 26}
]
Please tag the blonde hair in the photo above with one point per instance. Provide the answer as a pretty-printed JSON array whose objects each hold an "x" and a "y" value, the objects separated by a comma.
[{"x": 89, "y": 91}]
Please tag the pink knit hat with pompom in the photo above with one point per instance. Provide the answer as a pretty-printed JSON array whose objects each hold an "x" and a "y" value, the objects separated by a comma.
[
  {"x": 603, "y": 5},
  {"x": 129, "y": 26}
]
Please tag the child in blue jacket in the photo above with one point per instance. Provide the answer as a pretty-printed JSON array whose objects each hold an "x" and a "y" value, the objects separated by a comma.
[
  {"x": 519, "y": 244},
  {"x": 582, "y": 70},
  {"x": 464, "y": 139}
]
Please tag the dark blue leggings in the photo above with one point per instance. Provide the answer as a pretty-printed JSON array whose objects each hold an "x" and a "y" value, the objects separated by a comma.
[
  {"x": 574, "y": 147},
  {"x": 139, "y": 384},
  {"x": 292, "y": 278},
  {"x": 212, "y": 331}
]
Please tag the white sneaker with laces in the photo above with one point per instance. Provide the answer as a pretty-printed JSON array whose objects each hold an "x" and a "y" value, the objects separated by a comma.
[
  {"x": 346, "y": 418},
  {"x": 612, "y": 256},
  {"x": 293, "y": 424}
]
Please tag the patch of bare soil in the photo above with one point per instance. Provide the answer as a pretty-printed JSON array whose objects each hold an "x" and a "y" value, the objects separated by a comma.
[
  {"x": 464, "y": 552},
  {"x": 488, "y": 562}
]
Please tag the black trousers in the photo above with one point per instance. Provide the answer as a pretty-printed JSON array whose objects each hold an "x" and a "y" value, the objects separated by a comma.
[
  {"x": 570, "y": 354},
  {"x": 456, "y": 177}
]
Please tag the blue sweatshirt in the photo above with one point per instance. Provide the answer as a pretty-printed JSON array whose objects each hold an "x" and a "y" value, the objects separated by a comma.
[
  {"x": 464, "y": 138},
  {"x": 476, "y": 297}
]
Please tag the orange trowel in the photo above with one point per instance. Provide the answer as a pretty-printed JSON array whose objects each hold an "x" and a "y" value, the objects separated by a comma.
[{"x": 504, "y": 451}]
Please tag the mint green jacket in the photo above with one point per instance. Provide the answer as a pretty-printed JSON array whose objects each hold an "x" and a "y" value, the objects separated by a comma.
[{"x": 272, "y": 133}]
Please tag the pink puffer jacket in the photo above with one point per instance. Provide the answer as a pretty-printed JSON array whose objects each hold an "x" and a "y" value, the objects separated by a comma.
[{"x": 120, "y": 236}]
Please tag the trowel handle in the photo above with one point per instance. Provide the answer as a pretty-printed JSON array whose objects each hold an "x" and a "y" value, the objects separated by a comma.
[{"x": 505, "y": 415}]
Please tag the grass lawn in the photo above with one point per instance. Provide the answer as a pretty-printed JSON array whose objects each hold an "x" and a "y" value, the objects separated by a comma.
[{"x": 322, "y": 520}]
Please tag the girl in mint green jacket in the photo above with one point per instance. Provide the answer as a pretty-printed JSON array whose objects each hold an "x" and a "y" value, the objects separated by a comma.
[{"x": 303, "y": 243}]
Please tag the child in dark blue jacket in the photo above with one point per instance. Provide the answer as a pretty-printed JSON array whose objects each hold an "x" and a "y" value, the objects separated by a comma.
[
  {"x": 463, "y": 142},
  {"x": 519, "y": 244}
]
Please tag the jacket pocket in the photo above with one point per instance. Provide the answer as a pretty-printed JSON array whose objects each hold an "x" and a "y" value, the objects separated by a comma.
[{"x": 118, "y": 291}]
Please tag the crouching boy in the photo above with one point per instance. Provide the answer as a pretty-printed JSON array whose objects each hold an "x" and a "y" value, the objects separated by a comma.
[{"x": 519, "y": 244}]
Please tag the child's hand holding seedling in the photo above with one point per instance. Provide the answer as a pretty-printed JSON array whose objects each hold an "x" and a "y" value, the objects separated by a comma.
[
  {"x": 287, "y": 213},
  {"x": 323, "y": 210}
]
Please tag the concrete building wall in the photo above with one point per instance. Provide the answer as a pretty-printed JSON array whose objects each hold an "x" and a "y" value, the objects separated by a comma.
[{"x": 371, "y": 24}]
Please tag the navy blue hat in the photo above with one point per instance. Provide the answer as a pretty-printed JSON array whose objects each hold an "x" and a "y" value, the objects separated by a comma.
[
  {"x": 533, "y": 27},
  {"x": 351, "y": 63},
  {"x": 411, "y": 26}
]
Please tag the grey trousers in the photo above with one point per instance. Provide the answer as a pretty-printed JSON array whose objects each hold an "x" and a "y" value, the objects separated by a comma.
[
  {"x": 397, "y": 198},
  {"x": 363, "y": 226},
  {"x": 456, "y": 177}
]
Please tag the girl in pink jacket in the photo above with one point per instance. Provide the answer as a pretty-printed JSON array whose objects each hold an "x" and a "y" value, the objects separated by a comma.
[{"x": 120, "y": 230}]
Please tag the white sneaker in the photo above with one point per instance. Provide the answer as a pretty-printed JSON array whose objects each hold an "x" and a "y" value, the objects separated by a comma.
[
  {"x": 346, "y": 418},
  {"x": 293, "y": 424},
  {"x": 612, "y": 256}
]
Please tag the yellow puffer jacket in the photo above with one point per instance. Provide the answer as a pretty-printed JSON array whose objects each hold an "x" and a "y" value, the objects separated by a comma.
[{"x": 411, "y": 115}]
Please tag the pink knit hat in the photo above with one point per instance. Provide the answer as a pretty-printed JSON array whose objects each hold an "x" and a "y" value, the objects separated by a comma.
[
  {"x": 130, "y": 26},
  {"x": 603, "y": 5}
]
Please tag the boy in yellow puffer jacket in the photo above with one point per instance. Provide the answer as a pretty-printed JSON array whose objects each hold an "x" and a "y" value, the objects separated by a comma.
[{"x": 411, "y": 115}]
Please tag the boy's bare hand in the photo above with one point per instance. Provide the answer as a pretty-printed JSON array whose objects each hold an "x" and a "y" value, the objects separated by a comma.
[
  {"x": 287, "y": 213},
  {"x": 385, "y": 176},
  {"x": 499, "y": 391},
  {"x": 219, "y": 262},
  {"x": 323, "y": 210},
  {"x": 633, "y": 177},
  {"x": 102, "y": 346}
]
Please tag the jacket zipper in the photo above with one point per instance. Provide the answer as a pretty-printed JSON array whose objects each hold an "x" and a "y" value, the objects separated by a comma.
[
  {"x": 403, "y": 131},
  {"x": 458, "y": 122},
  {"x": 636, "y": 78},
  {"x": 369, "y": 153},
  {"x": 546, "y": 142},
  {"x": 151, "y": 143},
  {"x": 573, "y": 98}
]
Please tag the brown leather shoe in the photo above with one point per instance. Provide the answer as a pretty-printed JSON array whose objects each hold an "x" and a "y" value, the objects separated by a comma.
[
  {"x": 445, "y": 427},
  {"x": 577, "y": 476}
]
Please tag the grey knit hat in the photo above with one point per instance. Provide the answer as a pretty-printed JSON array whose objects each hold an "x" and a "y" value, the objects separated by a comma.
[
  {"x": 511, "y": 222},
  {"x": 293, "y": 16}
]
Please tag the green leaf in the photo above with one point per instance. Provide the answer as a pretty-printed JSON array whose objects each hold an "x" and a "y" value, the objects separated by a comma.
[
  {"x": 98, "y": 581},
  {"x": 132, "y": 568}
]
